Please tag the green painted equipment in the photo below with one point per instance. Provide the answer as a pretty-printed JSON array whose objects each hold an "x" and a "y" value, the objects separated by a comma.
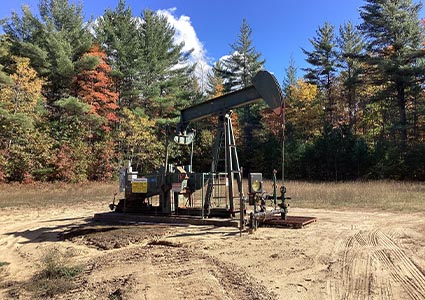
[{"x": 176, "y": 184}]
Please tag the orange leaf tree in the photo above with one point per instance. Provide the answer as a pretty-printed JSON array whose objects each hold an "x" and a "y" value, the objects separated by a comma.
[{"x": 95, "y": 87}]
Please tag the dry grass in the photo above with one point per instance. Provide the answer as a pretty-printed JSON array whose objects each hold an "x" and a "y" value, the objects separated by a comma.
[
  {"x": 55, "y": 194},
  {"x": 373, "y": 195},
  {"x": 56, "y": 276}
]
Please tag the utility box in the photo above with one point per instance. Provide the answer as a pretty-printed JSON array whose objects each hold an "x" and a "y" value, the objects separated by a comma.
[{"x": 255, "y": 183}]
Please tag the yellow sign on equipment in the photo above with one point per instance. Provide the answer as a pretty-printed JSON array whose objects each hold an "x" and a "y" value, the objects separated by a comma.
[{"x": 139, "y": 185}]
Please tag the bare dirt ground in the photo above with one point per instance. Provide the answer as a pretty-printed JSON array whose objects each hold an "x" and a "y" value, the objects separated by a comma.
[{"x": 345, "y": 255}]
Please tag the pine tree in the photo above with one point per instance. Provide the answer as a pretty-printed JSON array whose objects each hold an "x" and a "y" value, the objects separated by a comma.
[
  {"x": 290, "y": 78},
  {"x": 4, "y": 59},
  {"x": 117, "y": 31},
  {"x": 67, "y": 40},
  {"x": 215, "y": 83},
  {"x": 27, "y": 36},
  {"x": 323, "y": 61},
  {"x": 393, "y": 32},
  {"x": 237, "y": 70},
  {"x": 243, "y": 63},
  {"x": 419, "y": 125},
  {"x": 288, "y": 87},
  {"x": 351, "y": 45},
  {"x": 55, "y": 43},
  {"x": 166, "y": 77},
  {"x": 215, "y": 88}
]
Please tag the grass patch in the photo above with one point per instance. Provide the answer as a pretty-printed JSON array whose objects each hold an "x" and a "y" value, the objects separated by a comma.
[
  {"x": 56, "y": 276},
  {"x": 4, "y": 273},
  {"x": 374, "y": 195},
  {"x": 4, "y": 263},
  {"x": 57, "y": 264},
  {"x": 41, "y": 195},
  {"x": 117, "y": 295}
]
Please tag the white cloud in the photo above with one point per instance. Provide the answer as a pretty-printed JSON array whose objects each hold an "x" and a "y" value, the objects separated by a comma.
[{"x": 185, "y": 32}]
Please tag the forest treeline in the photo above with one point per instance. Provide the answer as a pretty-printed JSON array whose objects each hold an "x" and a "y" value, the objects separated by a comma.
[{"x": 78, "y": 98}]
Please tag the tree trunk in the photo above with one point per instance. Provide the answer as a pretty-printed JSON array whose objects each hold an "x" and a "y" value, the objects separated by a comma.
[
  {"x": 351, "y": 120},
  {"x": 415, "y": 118},
  {"x": 401, "y": 103}
]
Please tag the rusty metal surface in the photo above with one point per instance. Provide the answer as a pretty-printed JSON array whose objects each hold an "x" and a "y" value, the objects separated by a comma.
[
  {"x": 214, "y": 212},
  {"x": 291, "y": 221},
  {"x": 274, "y": 221},
  {"x": 126, "y": 218}
]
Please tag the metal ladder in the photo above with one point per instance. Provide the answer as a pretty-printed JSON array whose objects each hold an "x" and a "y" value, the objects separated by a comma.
[{"x": 225, "y": 132}]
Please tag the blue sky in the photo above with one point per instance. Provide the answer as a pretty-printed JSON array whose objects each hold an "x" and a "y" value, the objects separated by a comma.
[{"x": 280, "y": 27}]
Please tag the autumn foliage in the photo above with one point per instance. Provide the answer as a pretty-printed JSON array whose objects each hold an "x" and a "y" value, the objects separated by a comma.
[
  {"x": 78, "y": 99},
  {"x": 95, "y": 87}
]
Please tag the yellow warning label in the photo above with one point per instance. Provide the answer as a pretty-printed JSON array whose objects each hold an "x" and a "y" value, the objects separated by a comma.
[{"x": 139, "y": 185}]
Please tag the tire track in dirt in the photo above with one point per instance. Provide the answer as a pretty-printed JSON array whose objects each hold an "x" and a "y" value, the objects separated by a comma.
[
  {"x": 225, "y": 280},
  {"x": 236, "y": 282},
  {"x": 11, "y": 245},
  {"x": 371, "y": 263},
  {"x": 402, "y": 269},
  {"x": 163, "y": 267},
  {"x": 22, "y": 237}
]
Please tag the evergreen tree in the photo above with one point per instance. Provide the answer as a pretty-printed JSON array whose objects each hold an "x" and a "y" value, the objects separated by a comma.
[
  {"x": 27, "y": 36},
  {"x": 67, "y": 40},
  {"x": 215, "y": 83},
  {"x": 393, "y": 32},
  {"x": 4, "y": 59},
  {"x": 206, "y": 129},
  {"x": 150, "y": 71},
  {"x": 117, "y": 32},
  {"x": 289, "y": 85},
  {"x": 243, "y": 63},
  {"x": 323, "y": 71},
  {"x": 290, "y": 78},
  {"x": 55, "y": 43},
  {"x": 237, "y": 70},
  {"x": 351, "y": 45},
  {"x": 165, "y": 76}
]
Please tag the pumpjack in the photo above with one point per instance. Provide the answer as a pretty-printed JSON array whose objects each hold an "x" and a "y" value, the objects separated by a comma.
[{"x": 176, "y": 186}]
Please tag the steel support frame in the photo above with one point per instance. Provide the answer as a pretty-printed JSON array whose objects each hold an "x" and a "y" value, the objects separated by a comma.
[{"x": 233, "y": 170}]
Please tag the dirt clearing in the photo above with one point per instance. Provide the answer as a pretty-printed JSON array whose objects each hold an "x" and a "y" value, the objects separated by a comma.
[{"x": 345, "y": 255}]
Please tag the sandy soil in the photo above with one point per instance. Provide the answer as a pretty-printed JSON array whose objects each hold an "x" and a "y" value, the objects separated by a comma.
[{"x": 345, "y": 255}]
